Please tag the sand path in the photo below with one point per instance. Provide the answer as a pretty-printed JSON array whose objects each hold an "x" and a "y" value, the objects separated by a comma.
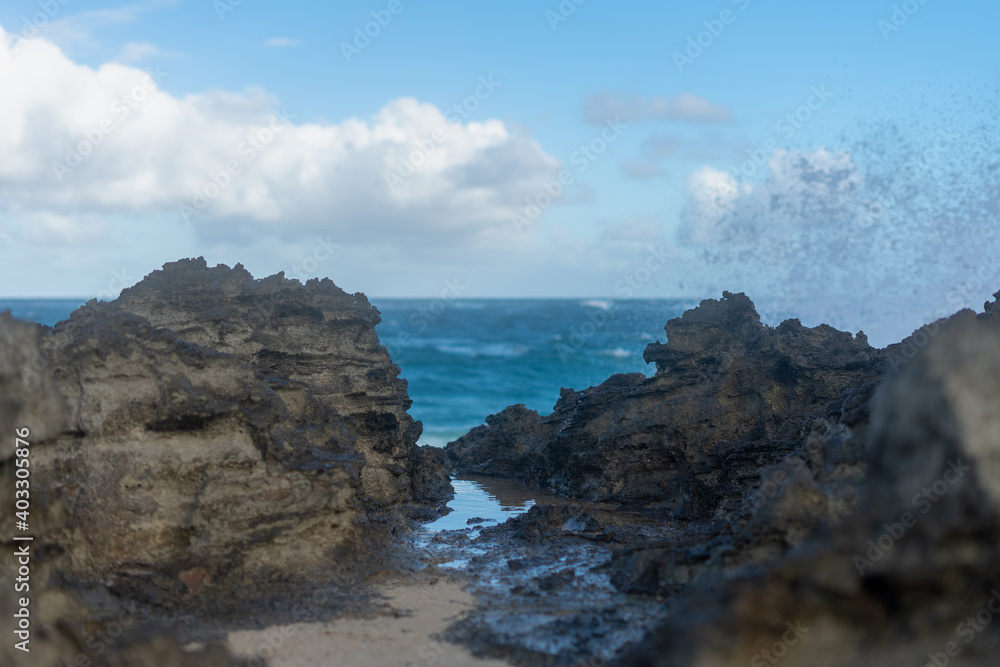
[{"x": 402, "y": 637}]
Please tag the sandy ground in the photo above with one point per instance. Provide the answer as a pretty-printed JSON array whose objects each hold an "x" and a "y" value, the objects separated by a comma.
[{"x": 399, "y": 638}]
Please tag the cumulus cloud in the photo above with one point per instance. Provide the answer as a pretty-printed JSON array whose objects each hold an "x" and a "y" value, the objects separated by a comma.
[
  {"x": 601, "y": 106},
  {"x": 111, "y": 141}
]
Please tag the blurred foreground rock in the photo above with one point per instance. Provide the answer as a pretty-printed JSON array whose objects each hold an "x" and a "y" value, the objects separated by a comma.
[
  {"x": 809, "y": 500},
  {"x": 206, "y": 444},
  {"x": 60, "y": 618},
  {"x": 913, "y": 577}
]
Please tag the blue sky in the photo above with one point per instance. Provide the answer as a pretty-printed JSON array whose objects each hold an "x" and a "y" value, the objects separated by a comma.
[{"x": 884, "y": 80}]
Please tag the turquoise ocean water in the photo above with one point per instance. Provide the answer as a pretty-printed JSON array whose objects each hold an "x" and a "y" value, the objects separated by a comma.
[{"x": 466, "y": 359}]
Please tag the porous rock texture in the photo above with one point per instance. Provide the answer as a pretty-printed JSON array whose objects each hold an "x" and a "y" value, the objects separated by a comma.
[
  {"x": 315, "y": 337},
  {"x": 58, "y": 611},
  {"x": 185, "y": 469},
  {"x": 206, "y": 442},
  {"x": 811, "y": 500},
  {"x": 730, "y": 396},
  {"x": 911, "y": 578}
]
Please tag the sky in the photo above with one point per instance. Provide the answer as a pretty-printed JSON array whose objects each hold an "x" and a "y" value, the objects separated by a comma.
[{"x": 835, "y": 161}]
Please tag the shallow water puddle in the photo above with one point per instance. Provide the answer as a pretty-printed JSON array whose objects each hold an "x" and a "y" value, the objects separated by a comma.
[
  {"x": 493, "y": 500},
  {"x": 487, "y": 501}
]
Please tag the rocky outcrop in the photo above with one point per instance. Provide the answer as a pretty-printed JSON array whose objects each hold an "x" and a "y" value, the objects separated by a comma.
[
  {"x": 730, "y": 397},
  {"x": 316, "y": 338},
  {"x": 186, "y": 470},
  {"x": 206, "y": 442},
  {"x": 911, "y": 578},
  {"x": 838, "y": 504},
  {"x": 62, "y": 616}
]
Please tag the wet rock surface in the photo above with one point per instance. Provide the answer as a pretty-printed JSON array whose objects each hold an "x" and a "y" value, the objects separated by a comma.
[
  {"x": 866, "y": 535},
  {"x": 730, "y": 396},
  {"x": 770, "y": 494}
]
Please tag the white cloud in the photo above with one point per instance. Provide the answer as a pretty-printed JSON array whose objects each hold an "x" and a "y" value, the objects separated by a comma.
[
  {"x": 148, "y": 152},
  {"x": 280, "y": 41},
  {"x": 601, "y": 106}
]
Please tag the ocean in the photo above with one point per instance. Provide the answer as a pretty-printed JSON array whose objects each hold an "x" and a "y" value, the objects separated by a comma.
[{"x": 466, "y": 359}]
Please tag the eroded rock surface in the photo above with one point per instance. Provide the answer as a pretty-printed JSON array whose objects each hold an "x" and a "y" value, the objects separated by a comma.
[
  {"x": 730, "y": 396},
  {"x": 808, "y": 500},
  {"x": 63, "y": 614},
  {"x": 206, "y": 442},
  {"x": 912, "y": 577},
  {"x": 179, "y": 461},
  {"x": 315, "y": 336}
]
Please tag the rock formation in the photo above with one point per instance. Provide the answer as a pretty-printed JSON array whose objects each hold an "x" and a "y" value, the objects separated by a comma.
[
  {"x": 59, "y": 607},
  {"x": 206, "y": 441},
  {"x": 909, "y": 579},
  {"x": 809, "y": 500},
  {"x": 730, "y": 396},
  {"x": 314, "y": 336},
  {"x": 186, "y": 469}
]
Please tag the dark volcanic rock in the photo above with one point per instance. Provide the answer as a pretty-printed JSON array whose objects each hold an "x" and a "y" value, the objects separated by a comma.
[
  {"x": 730, "y": 397},
  {"x": 313, "y": 336},
  {"x": 912, "y": 578},
  {"x": 817, "y": 507}
]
